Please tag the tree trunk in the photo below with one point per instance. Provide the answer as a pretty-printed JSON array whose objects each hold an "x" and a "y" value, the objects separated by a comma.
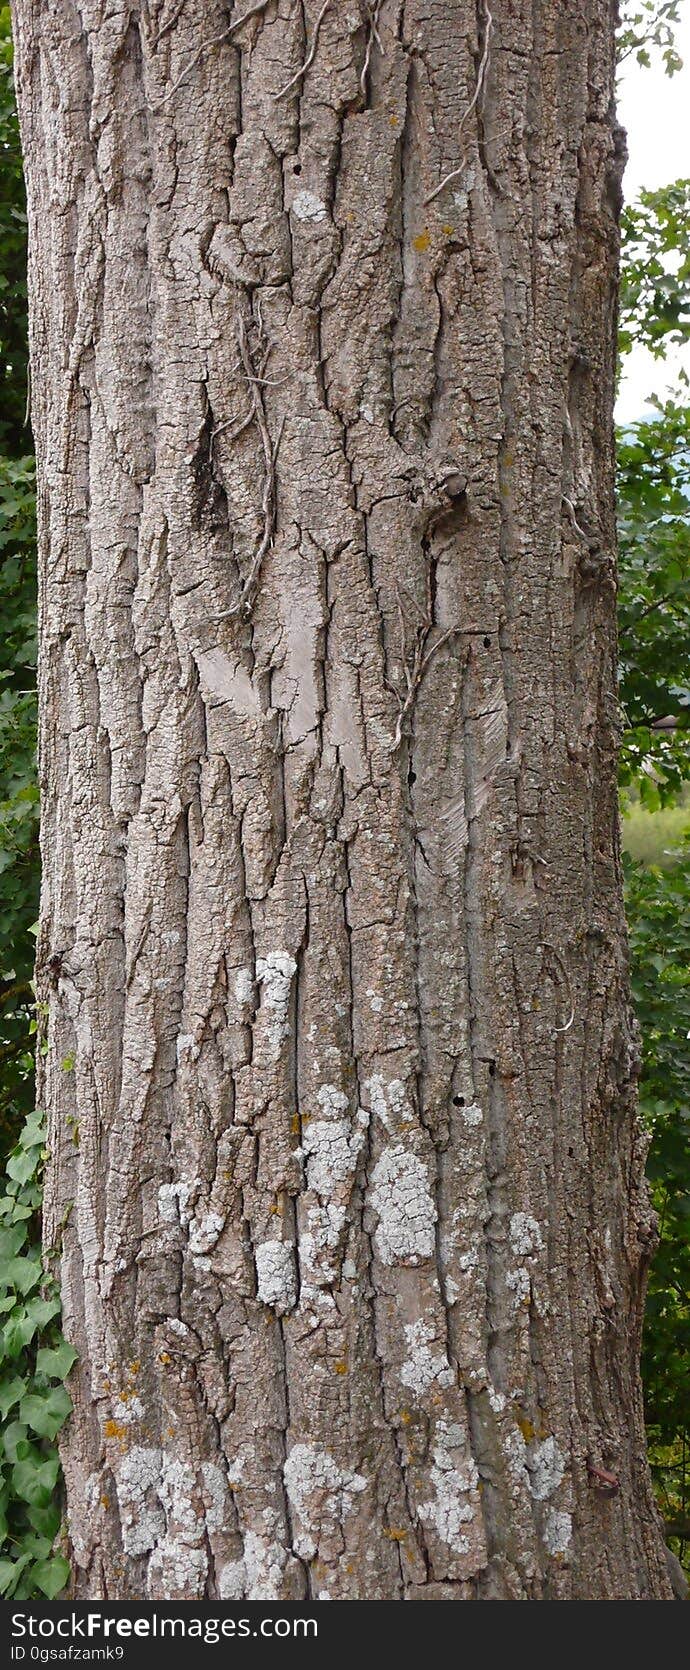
[{"x": 345, "y": 1170}]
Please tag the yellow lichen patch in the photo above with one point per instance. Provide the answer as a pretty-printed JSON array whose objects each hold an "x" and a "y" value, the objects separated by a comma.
[
  {"x": 405, "y": 1417},
  {"x": 115, "y": 1429},
  {"x": 422, "y": 241},
  {"x": 105, "y": 1501},
  {"x": 393, "y": 1535},
  {"x": 340, "y": 1367},
  {"x": 393, "y": 121},
  {"x": 164, "y": 1357},
  {"x": 294, "y": 1125},
  {"x": 134, "y": 1368},
  {"x": 525, "y": 1425},
  {"x": 449, "y": 230}
]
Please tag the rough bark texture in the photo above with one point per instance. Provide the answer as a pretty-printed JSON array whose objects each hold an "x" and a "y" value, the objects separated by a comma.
[{"x": 345, "y": 1169}]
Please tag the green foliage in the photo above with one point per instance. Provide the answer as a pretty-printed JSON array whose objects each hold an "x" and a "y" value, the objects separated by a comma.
[
  {"x": 647, "y": 26},
  {"x": 654, "y": 836},
  {"x": 658, "y": 905},
  {"x": 19, "y": 856},
  {"x": 13, "y": 323},
  {"x": 18, "y": 789},
  {"x": 654, "y": 604},
  {"x": 654, "y": 601},
  {"x": 655, "y": 282},
  {"x": 34, "y": 1403}
]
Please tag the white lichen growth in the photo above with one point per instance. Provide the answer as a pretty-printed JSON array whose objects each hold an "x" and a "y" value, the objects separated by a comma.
[
  {"x": 276, "y": 1277},
  {"x": 454, "y": 1479},
  {"x": 216, "y": 1494},
  {"x": 321, "y": 1494},
  {"x": 275, "y": 974},
  {"x": 427, "y": 1362},
  {"x": 204, "y": 1232},
  {"x": 177, "y": 1571},
  {"x": 546, "y": 1468},
  {"x": 558, "y": 1531},
  {"x": 232, "y": 1579},
  {"x": 401, "y": 1198},
  {"x": 332, "y": 1101},
  {"x": 173, "y": 1202},
  {"x": 308, "y": 207},
  {"x": 332, "y": 1148},
  {"x": 138, "y": 1478},
  {"x": 243, "y": 986},
  {"x": 525, "y": 1235},
  {"x": 519, "y": 1283},
  {"x": 264, "y": 1563}
]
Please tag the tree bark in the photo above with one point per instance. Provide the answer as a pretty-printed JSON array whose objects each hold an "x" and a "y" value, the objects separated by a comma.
[{"x": 345, "y": 1170}]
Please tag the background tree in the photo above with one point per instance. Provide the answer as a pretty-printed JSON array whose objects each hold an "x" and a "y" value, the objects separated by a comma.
[{"x": 535, "y": 1445}]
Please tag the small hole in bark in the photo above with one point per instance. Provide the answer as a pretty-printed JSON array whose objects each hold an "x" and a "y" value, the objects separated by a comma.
[
  {"x": 296, "y": 167},
  {"x": 492, "y": 1069},
  {"x": 412, "y": 777},
  {"x": 487, "y": 643},
  {"x": 458, "y": 1101}
]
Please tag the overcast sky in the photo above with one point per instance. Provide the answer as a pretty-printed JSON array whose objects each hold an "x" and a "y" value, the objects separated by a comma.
[{"x": 655, "y": 110}]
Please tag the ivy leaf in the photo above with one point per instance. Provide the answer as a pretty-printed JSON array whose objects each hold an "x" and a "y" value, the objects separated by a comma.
[
  {"x": 23, "y": 1273},
  {"x": 35, "y": 1481},
  {"x": 55, "y": 1361},
  {"x": 10, "y": 1573},
  {"x": 10, "y": 1393},
  {"x": 16, "y": 1441},
  {"x": 45, "y": 1413},
  {"x": 51, "y": 1576},
  {"x": 46, "y": 1521},
  {"x": 22, "y": 1165},
  {"x": 10, "y": 1242}
]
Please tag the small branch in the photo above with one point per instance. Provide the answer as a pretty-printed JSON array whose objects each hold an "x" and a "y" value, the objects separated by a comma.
[
  {"x": 415, "y": 665},
  {"x": 256, "y": 414},
  {"x": 372, "y": 36},
  {"x": 207, "y": 46},
  {"x": 310, "y": 55},
  {"x": 603, "y": 1478},
  {"x": 474, "y": 101}
]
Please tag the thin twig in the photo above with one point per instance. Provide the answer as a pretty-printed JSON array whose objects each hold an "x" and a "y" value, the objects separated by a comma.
[
  {"x": 566, "y": 980},
  {"x": 206, "y": 46},
  {"x": 481, "y": 78},
  {"x": 270, "y": 449},
  {"x": 166, "y": 27},
  {"x": 372, "y": 36},
  {"x": 310, "y": 55},
  {"x": 573, "y": 517},
  {"x": 415, "y": 667}
]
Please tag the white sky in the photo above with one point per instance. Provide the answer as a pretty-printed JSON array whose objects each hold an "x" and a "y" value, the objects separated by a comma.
[{"x": 655, "y": 110}]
